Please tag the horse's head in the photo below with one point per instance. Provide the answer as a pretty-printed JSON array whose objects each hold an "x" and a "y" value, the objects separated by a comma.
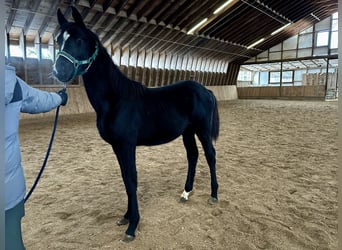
[{"x": 78, "y": 48}]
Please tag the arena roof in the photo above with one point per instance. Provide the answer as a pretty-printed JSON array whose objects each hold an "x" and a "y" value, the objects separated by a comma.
[{"x": 231, "y": 32}]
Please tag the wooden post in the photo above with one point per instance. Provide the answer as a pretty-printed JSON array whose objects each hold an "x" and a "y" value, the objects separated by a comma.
[
  {"x": 326, "y": 77},
  {"x": 281, "y": 78}
]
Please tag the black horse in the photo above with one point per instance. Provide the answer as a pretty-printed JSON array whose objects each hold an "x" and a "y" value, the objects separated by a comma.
[{"x": 130, "y": 114}]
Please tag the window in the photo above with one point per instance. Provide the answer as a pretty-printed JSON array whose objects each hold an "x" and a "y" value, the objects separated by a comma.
[
  {"x": 299, "y": 75},
  {"x": 46, "y": 54},
  {"x": 245, "y": 75},
  {"x": 335, "y": 15},
  {"x": 31, "y": 52},
  {"x": 287, "y": 76},
  {"x": 334, "y": 40},
  {"x": 275, "y": 77},
  {"x": 305, "y": 41},
  {"x": 264, "y": 78},
  {"x": 256, "y": 78},
  {"x": 313, "y": 71},
  {"x": 290, "y": 43},
  {"x": 322, "y": 38},
  {"x": 334, "y": 25},
  {"x": 334, "y": 32},
  {"x": 15, "y": 51}
]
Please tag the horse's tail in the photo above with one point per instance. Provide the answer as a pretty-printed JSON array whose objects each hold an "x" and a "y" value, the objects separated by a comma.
[{"x": 215, "y": 121}]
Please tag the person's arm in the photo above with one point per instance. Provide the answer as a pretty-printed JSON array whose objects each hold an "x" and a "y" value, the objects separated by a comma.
[{"x": 39, "y": 101}]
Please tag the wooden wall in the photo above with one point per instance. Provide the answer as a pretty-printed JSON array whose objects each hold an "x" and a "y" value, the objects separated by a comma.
[{"x": 295, "y": 92}]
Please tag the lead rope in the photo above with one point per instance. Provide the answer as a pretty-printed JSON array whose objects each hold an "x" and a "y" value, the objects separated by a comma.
[{"x": 27, "y": 196}]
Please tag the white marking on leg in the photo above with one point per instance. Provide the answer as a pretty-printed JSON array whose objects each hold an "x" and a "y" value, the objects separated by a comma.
[{"x": 185, "y": 195}]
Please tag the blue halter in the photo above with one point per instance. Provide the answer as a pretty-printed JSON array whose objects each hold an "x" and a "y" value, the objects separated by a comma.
[{"x": 78, "y": 63}]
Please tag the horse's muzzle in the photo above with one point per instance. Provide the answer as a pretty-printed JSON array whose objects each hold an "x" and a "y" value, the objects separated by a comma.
[{"x": 63, "y": 70}]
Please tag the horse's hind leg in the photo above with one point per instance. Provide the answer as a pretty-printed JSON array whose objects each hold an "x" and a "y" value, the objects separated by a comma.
[
  {"x": 210, "y": 155},
  {"x": 192, "y": 155}
]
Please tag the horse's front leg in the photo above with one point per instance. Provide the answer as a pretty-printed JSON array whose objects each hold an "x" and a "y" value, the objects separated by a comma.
[{"x": 126, "y": 157}]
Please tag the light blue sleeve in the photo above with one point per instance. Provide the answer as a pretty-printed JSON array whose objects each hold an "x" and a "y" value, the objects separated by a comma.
[
  {"x": 10, "y": 80},
  {"x": 37, "y": 101}
]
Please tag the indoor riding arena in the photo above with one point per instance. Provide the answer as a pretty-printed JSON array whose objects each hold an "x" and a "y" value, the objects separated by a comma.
[{"x": 273, "y": 68}]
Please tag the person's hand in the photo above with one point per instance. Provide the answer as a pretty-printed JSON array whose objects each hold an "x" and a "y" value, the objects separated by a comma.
[{"x": 62, "y": 93}]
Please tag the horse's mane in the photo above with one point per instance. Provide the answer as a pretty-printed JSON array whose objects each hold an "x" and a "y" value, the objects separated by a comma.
[{"x": 120, "y": 83}]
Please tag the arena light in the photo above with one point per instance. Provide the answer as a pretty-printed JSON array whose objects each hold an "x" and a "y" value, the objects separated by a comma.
[
  {"x": 280, "y": 29},
  {"x": 219, "y": 9},
  {"x": 192, "y": 30},
  {"x": 257, "y": 42}
]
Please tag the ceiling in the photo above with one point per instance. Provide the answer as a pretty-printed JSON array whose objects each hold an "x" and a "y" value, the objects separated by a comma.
[{"x": 163, "y": 26}]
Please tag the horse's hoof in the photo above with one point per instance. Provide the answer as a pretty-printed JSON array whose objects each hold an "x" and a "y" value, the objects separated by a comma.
[
  {"x": 185, "y": 196},
  {"x": 128, "y": 238},
  {"x": 122, "y": 222},
  {"x": 182, "y": 200},
  {"x": 212, "y": 201}
]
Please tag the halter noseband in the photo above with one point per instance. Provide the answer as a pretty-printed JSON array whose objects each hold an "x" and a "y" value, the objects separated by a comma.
[{"x": 78, "y": 63}]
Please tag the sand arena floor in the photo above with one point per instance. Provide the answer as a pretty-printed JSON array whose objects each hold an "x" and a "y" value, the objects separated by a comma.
[{"x": 276, "y": 166}]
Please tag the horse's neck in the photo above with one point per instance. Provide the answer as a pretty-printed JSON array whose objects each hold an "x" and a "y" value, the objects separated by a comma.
[
  {"x": 97, "y": 81},
  {"x": 102, "y": 82}
]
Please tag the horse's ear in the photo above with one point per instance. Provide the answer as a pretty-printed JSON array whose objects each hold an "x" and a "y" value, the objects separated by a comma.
[
  {"x": 61, "y": 19},
  {"x": 77, "y": 16}
]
